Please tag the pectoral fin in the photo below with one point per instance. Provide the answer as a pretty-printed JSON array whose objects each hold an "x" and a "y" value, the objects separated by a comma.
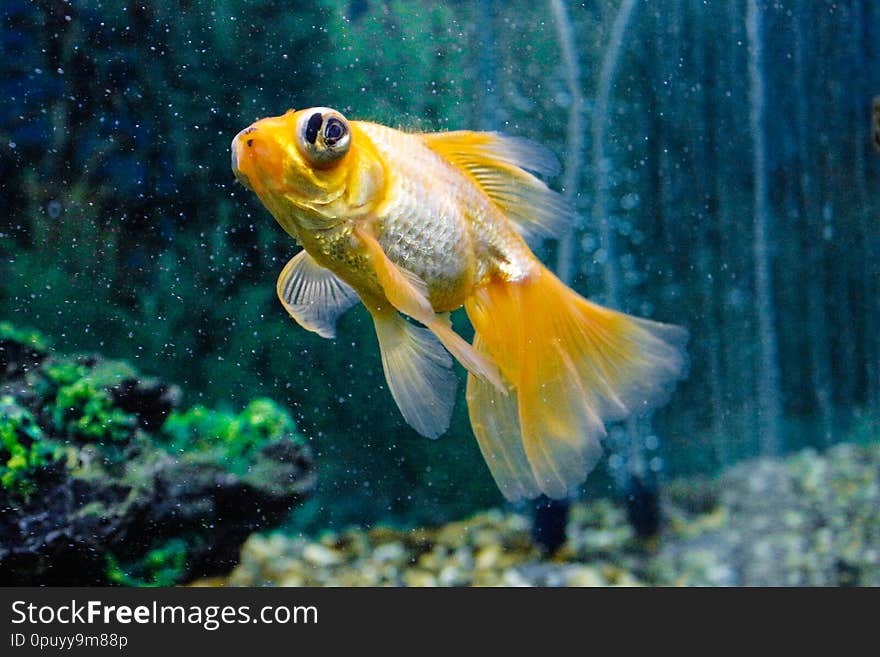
[
  {"x": 314, "y": 296},
  {"x": 409, "y": 294}
]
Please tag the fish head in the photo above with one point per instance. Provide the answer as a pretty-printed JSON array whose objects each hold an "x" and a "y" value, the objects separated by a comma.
[{"x": 310, "y": 167}]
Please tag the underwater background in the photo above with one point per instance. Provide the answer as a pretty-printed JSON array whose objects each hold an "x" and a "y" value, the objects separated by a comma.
[{"x": 723, "y": 164}]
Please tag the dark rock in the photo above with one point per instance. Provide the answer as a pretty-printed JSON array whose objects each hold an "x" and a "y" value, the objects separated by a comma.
[
  {"x": 63, "y": 534},
  {"x": 149, "y": 399},
  {"x": 17, "y": 358},
  {"x": 136, "y": 508}
]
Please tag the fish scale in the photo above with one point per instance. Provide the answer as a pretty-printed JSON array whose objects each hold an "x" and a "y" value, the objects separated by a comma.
[{"x": 451, "y": 240}]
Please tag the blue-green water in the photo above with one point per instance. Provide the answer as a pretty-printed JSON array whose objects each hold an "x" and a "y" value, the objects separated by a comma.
[{"x": 720, "y": 156}]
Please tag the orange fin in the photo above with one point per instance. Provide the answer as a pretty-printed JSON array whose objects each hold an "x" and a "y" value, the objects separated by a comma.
[
  {"x": 418, "y": 372},
  {"x": 409, "y": 294},
  {"x": 500, "y": 165},
  {"x": 476, "y": 363},
  {"x": 314, "y": 296},
  {"x": 403, "y": 289},
  {"x": 495, "y": 421},
  {"x": 574, "y": 366}
]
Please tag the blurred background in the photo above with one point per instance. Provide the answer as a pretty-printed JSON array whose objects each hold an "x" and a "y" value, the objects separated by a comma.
[{"x": 719, "y": 155}]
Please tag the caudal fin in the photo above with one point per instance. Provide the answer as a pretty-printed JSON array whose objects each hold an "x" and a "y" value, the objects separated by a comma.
[{"x": 572, "y": 366}]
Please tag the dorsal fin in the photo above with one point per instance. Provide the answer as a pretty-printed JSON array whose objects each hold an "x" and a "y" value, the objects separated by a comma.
[
  {"x": 500, "y": 165},
  {"x": 314, "y": 296}
]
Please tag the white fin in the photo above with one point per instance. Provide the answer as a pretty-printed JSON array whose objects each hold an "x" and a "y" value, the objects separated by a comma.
[
  {"x": 495, "y": 421},
  {"x": 408, "y": 293},
  {"x": 419, "y": 373},
  {"x": 499, "y": 165},
  {"x": 314, "y": 296}
]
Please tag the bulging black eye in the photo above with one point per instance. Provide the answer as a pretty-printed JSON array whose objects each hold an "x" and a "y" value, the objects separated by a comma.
[
  {"x": 334, "y": 130},
  {"x": 323, "y": 136}
]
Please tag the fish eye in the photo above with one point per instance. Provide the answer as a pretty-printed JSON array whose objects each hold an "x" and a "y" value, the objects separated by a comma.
[
  {"x": 323, "y": 136},
  {"x": 334, "y": 130}
]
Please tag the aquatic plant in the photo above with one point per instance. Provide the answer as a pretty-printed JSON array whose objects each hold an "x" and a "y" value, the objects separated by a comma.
[
  {"x": 234, "y": 438},
  {"x": 24, "y": 450},
  {"x": 59, "y": 373},
  {"x": 23, "y": 337},
  {"x": 77, "y": 395},
  {"x": 87, "y": 414},
  {"x": 161, "y": 566}
]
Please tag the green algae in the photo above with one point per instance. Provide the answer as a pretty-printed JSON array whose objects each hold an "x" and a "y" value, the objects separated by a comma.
[
  {"x": 23, "y": 448},
  {"x": 87, "y": 414},
  {"x": 232, "y": 437},
  {"x": 75, "y": 395},
  {"x": 24, "y": 336},
  {"x": 162, "y": 566}
]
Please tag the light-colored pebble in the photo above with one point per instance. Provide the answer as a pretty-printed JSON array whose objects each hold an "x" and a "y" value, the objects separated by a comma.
[{"x": 812, "y": 519}]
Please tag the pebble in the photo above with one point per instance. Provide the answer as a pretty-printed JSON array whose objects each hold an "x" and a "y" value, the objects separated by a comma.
[{"x": 811, "y": 519}]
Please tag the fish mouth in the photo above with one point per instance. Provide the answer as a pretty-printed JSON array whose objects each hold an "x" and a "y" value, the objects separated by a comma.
[{"x": 235, "y": 155}]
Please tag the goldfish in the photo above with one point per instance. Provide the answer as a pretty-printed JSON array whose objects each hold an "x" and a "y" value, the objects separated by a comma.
[{"x": 416, "y": 225}]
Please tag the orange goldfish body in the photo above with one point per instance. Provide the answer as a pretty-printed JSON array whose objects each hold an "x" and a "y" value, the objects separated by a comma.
[{"x": 420, "y": 224}]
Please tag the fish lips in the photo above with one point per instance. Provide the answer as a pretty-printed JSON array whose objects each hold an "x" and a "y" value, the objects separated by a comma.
[{"x": 235, "y": 148}]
